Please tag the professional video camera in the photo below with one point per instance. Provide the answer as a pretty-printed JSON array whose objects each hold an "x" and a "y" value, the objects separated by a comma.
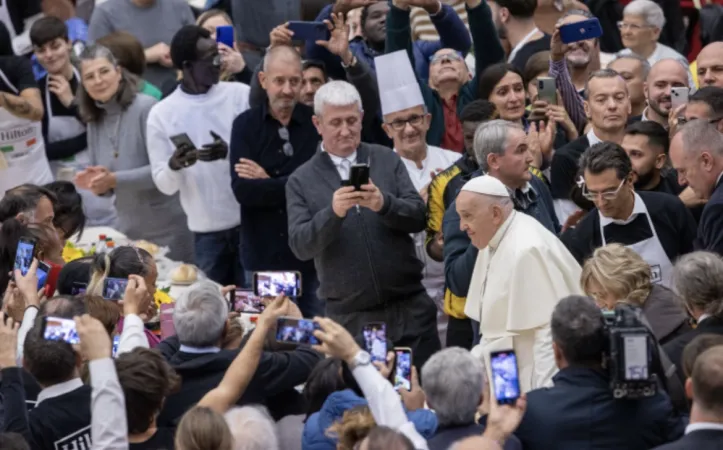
[{"x": 632, "y": 359}]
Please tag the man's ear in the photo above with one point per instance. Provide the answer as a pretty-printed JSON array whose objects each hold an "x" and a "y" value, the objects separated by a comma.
[
  {"x": 262, "y": 79},
  {"x": 689, "y": 388},
  {"x": 660, "y": 160},
  {"x": 317, "y": 123},
  {"x": 386, "y": 128},
  {"x": 492, "y": 161},
  {"x": 586, "y": 107}
]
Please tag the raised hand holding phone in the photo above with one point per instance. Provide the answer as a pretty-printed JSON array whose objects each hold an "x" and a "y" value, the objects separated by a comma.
[
  {"x": 413, "y": 398},
  {"x": 335, "y": 340},
  {"x": 94, "y": 340},
  {"x": 28, "y": 284},
  {"x": 8, "y": 341},
  {"x": 136, "y": 296}
]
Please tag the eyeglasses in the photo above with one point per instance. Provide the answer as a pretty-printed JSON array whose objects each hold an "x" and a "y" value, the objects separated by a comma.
[
  {"x": 454, "y": 56},
  {"x": 632, "y": 26},
  {"x": 399, "y": 124},
  {"x": 287, "y": 148},
  {"x": 606, "y": 195}
]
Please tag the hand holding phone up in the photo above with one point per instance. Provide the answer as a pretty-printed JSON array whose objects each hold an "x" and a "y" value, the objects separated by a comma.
[
  {"x": 216, "y": 150},
  {"x": 94, "y": 340},
  {"x": 371, "y": 197},
  {"x": 335, "y": 340},
  {"x": 278, "y": 307},
  {"x": 135, "y": 298},
  {"x": 8, "y": 341},
  {"x": 414, "y": 398},
  {"x": 28, "y": 284}
]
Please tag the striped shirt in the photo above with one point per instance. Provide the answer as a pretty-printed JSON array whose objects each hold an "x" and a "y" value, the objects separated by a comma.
[{"x": 422, "y": 26}]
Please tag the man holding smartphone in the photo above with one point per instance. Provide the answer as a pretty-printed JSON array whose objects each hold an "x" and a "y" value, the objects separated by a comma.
[
  {"x": 360, "y": 239},
  {"x": 200, "y": 112}
]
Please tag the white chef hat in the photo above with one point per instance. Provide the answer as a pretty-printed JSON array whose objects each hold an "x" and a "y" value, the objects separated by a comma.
[
  {"x": 398, "y": 85},
  {"x": 486, "y": 185}
]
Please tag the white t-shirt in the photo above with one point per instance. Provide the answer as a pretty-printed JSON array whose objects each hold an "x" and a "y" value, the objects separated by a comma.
[{"x": 205, "y": 187}]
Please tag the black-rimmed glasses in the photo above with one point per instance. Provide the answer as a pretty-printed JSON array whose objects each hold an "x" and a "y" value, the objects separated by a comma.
[
  {"x": 287, "y": 148},
  {"x": 399, "y": 124}
]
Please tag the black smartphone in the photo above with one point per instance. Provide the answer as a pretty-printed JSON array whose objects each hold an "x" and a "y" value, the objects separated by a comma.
[
  {"x": 114, "y": 288},
  {"x": 309, "y": 31},
  {"x": 244, "y": 301},
  {"x": 375, "y": 340},
  {"x": 505, "y": 376},
  {"x": 78, "y": 288},
  {"x": 274, "y": 283},
  {"x": 59, "y": 329},
  {"x": 296, "y": 331},
  {"x": 24, "y": 255},
  {"x": 182, "y": 139},
  {"x": 359, "y": 176},
  {"x": 43, "y": 271},
  {"x": 403, "y": 368}
]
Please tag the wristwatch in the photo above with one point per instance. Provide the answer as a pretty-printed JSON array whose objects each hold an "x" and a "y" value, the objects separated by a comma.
[{"x": 361, "y": 359}]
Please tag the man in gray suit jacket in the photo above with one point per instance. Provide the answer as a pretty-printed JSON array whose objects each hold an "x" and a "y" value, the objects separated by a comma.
[{"x": 360, "y": 239}]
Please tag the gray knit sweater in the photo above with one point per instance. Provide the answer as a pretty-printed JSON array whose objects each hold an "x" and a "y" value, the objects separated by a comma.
[
  {"x": 143, "y": 211},
  {"x": 365, "y": 259}
]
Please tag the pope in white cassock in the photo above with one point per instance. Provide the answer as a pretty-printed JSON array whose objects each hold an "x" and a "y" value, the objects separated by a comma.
[{"x": 522, "y": 271}]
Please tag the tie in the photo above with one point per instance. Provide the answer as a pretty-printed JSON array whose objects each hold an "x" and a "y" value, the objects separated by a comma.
[{"x": 344, "y": 168}]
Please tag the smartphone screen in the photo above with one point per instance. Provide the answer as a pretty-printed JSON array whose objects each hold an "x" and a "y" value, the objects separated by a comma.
[
  {"x": 375, "y": 340},
  {"x": 43, "y": 271},
  {"x": 24, "y": 255},
  {"x": 636, "y": 357},
  {"x": 272, "y": 284},
  {"x": 116, "y": 341},
  {"x": 505, "y": 377},
  {"x": 59, "y": 329},
  {"x": 78, "y": 288},
  {"x": 244, "y": 301},
  {"x": 296, "y": 331},
  {"x": 403, "y": 370},
  {"x": 114, "y": 288}
]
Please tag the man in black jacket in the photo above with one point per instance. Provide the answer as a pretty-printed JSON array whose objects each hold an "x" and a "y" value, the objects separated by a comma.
[
  {"x": 200, "y": 320},
  {"x": 706, "y": 426},
  {"x": 61, "y": 417},
  {"x": 580, "y": 410},
  {"x": 697, "y": 154},
  {"x": 360, "y": 239}
]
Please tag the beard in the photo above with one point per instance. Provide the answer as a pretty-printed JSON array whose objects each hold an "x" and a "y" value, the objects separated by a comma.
[
  {"x": 655, "y": 106},
  {"x": 644, "y": 179}
]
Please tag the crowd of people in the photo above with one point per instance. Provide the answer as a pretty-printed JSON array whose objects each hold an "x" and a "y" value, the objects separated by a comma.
[{"x": 449, "y": 199}]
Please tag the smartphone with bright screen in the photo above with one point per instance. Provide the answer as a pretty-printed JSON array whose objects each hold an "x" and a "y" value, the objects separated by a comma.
[
  {"x": 24, "y": 255},
  {"x": 505, "y": 376},
  {"x": 244, "y": 301},
  {"x": 272, "y": 284},
  {"x": 636, "y": 357},
  {"x": 114, "y": 288},
  {"x": 296, "y": 331},
  {"x": 403, "y": 369},
  {"x": 59, "y": 329},
  {"x": 375, "y": 340},
  {"x": 42, "y": 272},
  {"x": 116, "y": 341}
]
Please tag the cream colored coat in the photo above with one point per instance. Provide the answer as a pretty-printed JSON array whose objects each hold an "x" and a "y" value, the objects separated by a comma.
[{"x": 517, "y": 281}]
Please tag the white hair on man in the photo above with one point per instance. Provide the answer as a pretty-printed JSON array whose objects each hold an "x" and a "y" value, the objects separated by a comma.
[
  {"x": 453, "y": 382},
  {"x": 650, "y": 11},
  {"x": 491, "y": 137},
  {"x": 252, "y": 428},
  {"x": 200, "y": 315},
  {"x": 336, "y": 93}
]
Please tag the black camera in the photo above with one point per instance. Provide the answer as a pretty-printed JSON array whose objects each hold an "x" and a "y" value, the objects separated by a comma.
[{"x": 631, "y": 355}]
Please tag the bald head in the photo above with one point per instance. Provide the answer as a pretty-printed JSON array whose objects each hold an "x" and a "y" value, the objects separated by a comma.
[
  {"x": 669, "y": 68},
  {"x": 282, "y": 54},
  {"x": 707, "y": 381},
  {"x": 696, "y": 153},
  {"x": 710, "y": 65},
  {"x": 665, "y": 75}
]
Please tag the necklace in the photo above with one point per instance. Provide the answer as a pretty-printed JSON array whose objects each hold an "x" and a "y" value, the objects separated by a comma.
[{"x": 115, "y": 140}]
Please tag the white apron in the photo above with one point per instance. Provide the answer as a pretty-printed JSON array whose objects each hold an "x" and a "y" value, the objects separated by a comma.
[
  {"x": 22, "y": 150},
  {"x": 98, "y": 210},
  {"x": 652, "y": 251},
  {"x": 521, "y": 44}
]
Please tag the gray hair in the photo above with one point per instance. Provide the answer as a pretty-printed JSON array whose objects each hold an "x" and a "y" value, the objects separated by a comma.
[
  {"x": 127, "y": 89},
  {"x": 491, "y": 137},
  {"x": 252, "y": 428},
  {"x": 643, "y": 62},
  {"x": 336, "y": 93},
  {"x": 603, "y": 73},
  {"x": 200, "y": 315},
  {"x": 700, "y": 135},
  {"x": 453, "y": 381},
  {"x": 698, "y": 280},
  {"x": 650, "y": 11}
]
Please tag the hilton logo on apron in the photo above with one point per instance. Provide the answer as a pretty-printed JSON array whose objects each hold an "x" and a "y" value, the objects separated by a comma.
[
  {"x": 18, "y": 134},
  {"x": 80, "y": 440},
  {"x": 657, "y": 273}
]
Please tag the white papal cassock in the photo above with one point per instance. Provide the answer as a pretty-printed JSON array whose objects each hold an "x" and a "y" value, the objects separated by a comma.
[{"x": 517, "y": 281}]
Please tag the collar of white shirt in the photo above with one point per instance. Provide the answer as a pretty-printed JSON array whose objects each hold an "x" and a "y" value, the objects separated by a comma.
[
  {"x": 592, "y": 138},
  {"x": 497, "y": 238},
  {"x": 703, "y": 426},
  {"x": 199, "y": 350},
  {"x": 338, "y": 159},
  {"x": 638, "y": 208},
  {"x": 59, "y": 389}
]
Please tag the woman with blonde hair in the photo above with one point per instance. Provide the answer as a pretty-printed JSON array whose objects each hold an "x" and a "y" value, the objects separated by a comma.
[
  {"x": 233, "y": 65},
  {"x": 617, "y": 274},
  {"x": 203, "y": 429}
]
